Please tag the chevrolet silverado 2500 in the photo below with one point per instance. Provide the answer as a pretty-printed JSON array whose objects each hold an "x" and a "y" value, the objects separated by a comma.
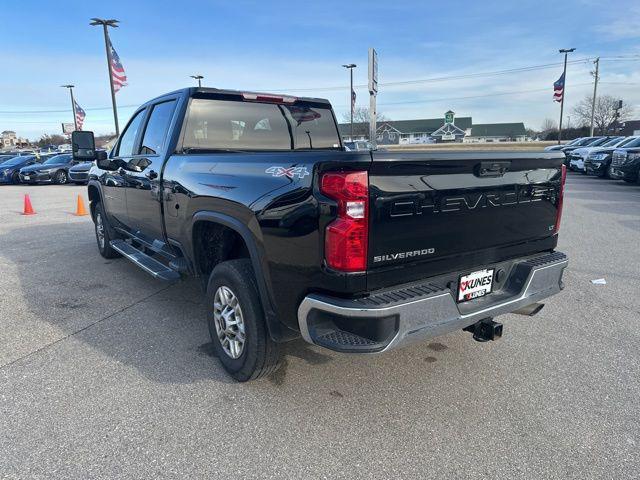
[{"x": 292, "y": 235}]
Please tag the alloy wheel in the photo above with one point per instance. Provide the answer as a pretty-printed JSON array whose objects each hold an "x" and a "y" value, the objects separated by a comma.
[
  {"x": 229, "y": 322},
  {"x": 100, "y": 231}
]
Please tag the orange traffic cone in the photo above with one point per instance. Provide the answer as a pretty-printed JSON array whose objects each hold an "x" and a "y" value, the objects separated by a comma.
[
  {"x": 28, "y": 208},
  {"x": 80, "y": 211}
]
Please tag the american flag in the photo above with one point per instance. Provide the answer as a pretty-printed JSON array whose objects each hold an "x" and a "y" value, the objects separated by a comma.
[
  {"x": 353, "y": 99},
  {"x": 558, "y": 89},
  {"x": 79, "y": 115},
  {"x": 117, "y": 70}
]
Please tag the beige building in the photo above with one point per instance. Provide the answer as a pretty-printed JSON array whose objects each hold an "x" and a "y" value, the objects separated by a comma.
[{"x": 9, "y": 139}]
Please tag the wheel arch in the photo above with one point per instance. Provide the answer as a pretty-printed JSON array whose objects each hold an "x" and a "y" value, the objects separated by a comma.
[
  {"x": 95, "y": 196},
  {"x": 277, "y": 330}
]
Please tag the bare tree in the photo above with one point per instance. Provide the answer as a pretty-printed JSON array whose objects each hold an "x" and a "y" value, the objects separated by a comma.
[
  {"x": 361, "y": 120},
  {"x": 548, "y": 125},
  {"x": 51, "y": 139},
  {"x": 606, "y": 113}
]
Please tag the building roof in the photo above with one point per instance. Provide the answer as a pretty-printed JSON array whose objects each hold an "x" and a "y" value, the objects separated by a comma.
[
  {"x": 9, "y": 132},
  {"x": 423, "y": 125},
  {"x": 498, "y": 129}
]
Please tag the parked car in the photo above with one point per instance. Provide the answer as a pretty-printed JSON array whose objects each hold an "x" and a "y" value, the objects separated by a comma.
[
  {"x": 578, "y": 156},
  {"x": 10, "y": 169},
  {"x": 358, "y": 146},
  {"x": 625, "y": 162},
  {"x": 598, "y": 162},
  {"x": 4, "y": 158},
  {"x": 79, "y": 173},
  {"x": 293, "y": 236},
  {"x": 554, "y": 148},
  {"x": 588, "y": 141},
  {"x": 54, "y": 169}
]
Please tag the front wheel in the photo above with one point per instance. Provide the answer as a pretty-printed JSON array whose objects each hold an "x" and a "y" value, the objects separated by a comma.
[
  {"x": 103, "y": 236},
  {"x": 15, "y": 178},
  {"x": 236, "y": 322},
  {"x": 60, "y": 177}
]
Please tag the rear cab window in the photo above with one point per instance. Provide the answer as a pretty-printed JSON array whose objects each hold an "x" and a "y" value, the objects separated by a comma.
[{"x": 220, "y": 125}]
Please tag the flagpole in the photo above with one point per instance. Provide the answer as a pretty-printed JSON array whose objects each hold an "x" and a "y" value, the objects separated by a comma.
[
  {"x": 566, "y": 51},
  {"x": 105, "y": 24},
  {"x": 73, "y": 104}
]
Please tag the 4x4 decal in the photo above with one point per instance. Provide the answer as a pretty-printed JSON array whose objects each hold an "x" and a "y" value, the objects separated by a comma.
[{"x": 289, "y": 172}]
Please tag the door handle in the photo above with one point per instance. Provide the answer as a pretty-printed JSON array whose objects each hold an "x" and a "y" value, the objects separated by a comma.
[{"x": 151, "y": 175}]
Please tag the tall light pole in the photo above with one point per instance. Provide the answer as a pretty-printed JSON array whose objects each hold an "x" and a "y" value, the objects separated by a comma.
[
  {"x": 73, "y": 104},
  {"x": 350, "y": 67},
  {"x": 105, "y": 24},
  {"x": 595, "y": 91},
  {"x": 566, "y": 52},
  {"x": 198, "y": 78}
]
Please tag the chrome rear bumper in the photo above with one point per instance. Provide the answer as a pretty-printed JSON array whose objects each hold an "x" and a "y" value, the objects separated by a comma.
[{"x": 414, "y": 312}]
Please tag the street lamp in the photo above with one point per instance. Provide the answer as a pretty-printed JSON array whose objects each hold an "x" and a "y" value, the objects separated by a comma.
[
  {"x": 73, "y": 104},
  {"x": 198, "y": 78},
  {"x": 566, "y": 51},
  {"x": 105, "y": 24},
  {"x": 350, "y": 67}
]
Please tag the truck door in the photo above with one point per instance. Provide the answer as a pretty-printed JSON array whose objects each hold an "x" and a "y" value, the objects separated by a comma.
[
  {"x": 113, "y": 182},
  {"x": 143, "y": 174}
]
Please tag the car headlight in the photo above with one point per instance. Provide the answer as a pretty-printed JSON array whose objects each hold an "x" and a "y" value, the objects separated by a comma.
[
  {"x": 633, "y": 156},
  {"x": 598, "y": 156}
]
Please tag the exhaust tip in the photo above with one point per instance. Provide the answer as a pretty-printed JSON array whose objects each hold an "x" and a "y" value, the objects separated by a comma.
[{"x": 530, "y": 310}]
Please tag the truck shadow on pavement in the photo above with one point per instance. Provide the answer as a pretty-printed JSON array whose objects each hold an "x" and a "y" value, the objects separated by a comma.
[{"x": 67, "y": 291}]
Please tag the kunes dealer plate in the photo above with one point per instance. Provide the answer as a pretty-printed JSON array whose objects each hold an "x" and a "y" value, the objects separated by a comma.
[{"x": 474, "y": 285}]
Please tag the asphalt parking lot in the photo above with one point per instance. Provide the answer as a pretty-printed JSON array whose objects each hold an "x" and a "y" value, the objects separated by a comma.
[{"x": 107, "y": 373}]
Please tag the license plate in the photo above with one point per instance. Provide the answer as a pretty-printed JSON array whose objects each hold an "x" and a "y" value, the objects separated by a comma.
[
  {"x": 475, "y": 285},
  {"x": 26, "y": 177}
]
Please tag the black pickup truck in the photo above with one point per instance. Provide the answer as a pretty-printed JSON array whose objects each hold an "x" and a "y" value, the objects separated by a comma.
[{"x": 293, "y": 235}]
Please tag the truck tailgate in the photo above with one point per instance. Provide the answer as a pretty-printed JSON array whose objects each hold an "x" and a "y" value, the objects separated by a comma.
[{"x": 436, "y": 212}]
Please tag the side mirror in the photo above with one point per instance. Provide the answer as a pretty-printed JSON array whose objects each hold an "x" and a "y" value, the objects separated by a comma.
[{"x": 83, "y": 145}]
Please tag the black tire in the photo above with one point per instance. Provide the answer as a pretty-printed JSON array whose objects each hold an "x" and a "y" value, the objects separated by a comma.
[
  {"x": 102, "y": 224},
  {"x": 61, "y": 177},
  {"x": 607, "y": 172},
  {"x": 260, "y": 355},
  {"x": 15, "y": 178}
]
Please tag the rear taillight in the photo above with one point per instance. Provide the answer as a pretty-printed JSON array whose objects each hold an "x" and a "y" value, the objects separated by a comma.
[
  {"x": 347, "y": 237},
  {"x": 560, "y": 199}
]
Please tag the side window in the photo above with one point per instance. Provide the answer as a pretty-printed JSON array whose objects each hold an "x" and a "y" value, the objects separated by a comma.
[
  {"x": 157, "y": 127},
  {"x": 128, "y": 138}
]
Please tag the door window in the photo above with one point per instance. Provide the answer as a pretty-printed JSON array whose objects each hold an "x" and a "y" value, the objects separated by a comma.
[
  {"x": 128, "y": 138},
  {"x": 157, "y": 128}
]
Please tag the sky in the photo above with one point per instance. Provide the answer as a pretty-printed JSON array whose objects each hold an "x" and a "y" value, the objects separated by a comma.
[{"x": 299, "y": 47}]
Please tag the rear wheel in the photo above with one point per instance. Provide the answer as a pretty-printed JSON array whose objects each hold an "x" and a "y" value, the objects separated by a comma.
[
  {"x": 236, "y": 322},
  {"x": 103, "y": 233},
  {"x": 60, "y": 177}
]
